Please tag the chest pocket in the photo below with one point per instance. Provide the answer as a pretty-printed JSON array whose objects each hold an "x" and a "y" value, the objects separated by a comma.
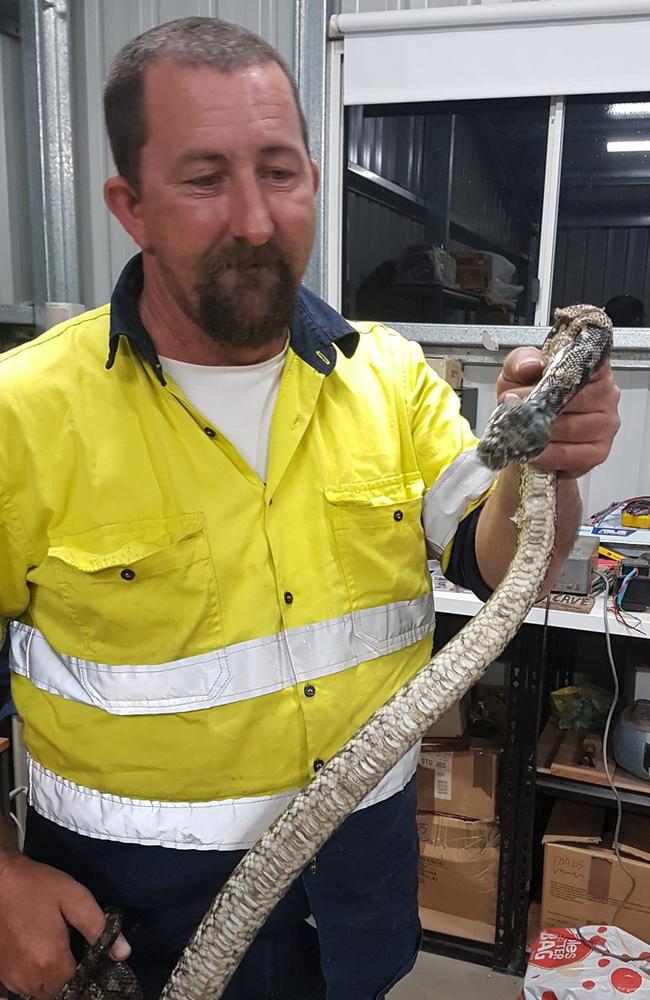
[
  {"x": 140, "y": 592},
  {"x": 380, "y": 539}
]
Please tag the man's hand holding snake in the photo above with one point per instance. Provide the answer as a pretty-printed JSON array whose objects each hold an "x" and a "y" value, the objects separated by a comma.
[{"x": 582, "y": 436}]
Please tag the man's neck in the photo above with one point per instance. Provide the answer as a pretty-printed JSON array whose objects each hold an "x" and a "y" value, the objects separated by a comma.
[{"x": 176, "y": 336}]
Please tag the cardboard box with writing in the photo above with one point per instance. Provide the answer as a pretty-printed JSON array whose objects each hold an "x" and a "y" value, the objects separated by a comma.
[
  {"x": 449, "y": 369},
  {"x": 458, "y": 868},
  {"x": 583, "y": 881},
  {"x": 460, "y": 783}
]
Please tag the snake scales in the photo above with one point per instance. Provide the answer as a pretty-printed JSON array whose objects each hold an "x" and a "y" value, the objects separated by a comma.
[{"x": 578, "y": 342}]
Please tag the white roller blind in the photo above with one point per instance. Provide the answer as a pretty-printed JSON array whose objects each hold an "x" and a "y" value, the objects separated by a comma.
[{"x": 521, "y": 49}]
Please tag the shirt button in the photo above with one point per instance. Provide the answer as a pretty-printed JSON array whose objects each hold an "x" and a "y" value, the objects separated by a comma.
[
  {"x": 210, "y": 432},
  {"x": 288, "y": 597},
  {"x": 318, "y": 763},
  {"x": 310, "y": 690},
  {"x": 398, "y": 515},
  {"x": 313, "y": 867},
  {"x": 127, "y": 574}
]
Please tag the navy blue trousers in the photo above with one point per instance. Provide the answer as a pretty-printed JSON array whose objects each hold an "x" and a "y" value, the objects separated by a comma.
[{"x": 361, "y": 891}]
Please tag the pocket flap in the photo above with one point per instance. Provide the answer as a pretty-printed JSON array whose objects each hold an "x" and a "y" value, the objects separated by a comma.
[
  {"x": 377, "y": 492},
  {"x": 123, "y": 544}
]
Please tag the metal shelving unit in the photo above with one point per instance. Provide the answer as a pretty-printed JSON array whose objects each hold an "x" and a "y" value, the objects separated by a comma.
[
  {"x": 595, "y": 795},
  {"x": 530, "y": 680}
]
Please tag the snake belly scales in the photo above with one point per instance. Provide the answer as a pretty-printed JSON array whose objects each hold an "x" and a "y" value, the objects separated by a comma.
[{"x": 577, "y": 344}]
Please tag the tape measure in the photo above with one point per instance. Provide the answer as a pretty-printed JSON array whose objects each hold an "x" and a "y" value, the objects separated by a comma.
[
  {"x": 609, "y": 554},
  {"x": 636, "y": 513}
]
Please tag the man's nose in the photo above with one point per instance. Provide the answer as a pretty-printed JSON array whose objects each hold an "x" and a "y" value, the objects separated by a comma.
[{"x": 250, "y": 218}]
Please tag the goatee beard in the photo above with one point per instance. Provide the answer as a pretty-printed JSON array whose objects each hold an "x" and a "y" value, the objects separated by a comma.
[{"x": 225, "y": 315}]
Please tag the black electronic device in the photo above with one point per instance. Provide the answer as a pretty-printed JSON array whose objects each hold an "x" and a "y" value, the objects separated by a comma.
[{"x": 633, "y": 583}]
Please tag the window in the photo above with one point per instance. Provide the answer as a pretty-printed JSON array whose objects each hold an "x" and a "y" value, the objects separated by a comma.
[
  {"x": 603, "y": 235},
  {"x": 443, "y": 208}
]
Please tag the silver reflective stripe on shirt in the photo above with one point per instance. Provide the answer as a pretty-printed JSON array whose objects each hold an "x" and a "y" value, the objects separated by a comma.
[
  {"x": 223, "y": 825},
  {"x": 234, "y": 673}
]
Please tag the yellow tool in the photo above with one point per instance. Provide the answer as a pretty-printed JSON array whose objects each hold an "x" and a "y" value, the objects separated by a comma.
[
  {"x": 608, "y": 554},
  {"x": 636, "y": 513}
]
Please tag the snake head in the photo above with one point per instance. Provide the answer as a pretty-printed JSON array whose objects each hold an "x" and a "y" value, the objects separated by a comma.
[{"x": 518, "y": 432}]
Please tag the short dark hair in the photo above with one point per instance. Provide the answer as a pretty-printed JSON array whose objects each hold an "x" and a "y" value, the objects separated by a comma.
[{"x": 190, "y": 41}]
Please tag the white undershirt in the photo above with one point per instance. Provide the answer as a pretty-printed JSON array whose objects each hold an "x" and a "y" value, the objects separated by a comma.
[{"x": 238, "y": 400}]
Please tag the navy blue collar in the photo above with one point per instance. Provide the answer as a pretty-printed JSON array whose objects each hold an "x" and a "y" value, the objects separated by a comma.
[{"x": 316, "y": 327}]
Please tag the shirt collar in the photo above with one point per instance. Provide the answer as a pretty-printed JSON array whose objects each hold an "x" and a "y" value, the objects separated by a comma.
[{"x": 315, "y": 330}]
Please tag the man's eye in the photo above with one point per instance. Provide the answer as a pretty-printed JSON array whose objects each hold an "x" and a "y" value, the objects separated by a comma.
[
  {"x": 279, "y": 175},
  {"x": 205, "y": 180}
]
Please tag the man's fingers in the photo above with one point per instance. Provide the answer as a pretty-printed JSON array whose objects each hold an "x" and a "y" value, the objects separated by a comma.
[
  {"x": 121, "y": 949},
  {"x": 82, "y": 912},
  {"x": 523, "y": 366},
  {"x": 563, "y": 458}
]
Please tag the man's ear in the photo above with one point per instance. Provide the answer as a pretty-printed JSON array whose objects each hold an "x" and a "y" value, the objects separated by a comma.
[{"x": 126, "y": 206}]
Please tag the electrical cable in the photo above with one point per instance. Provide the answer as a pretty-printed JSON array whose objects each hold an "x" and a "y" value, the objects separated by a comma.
[
  {"x": 616, "y": 793},
  {"x": 13, "y": 794}
]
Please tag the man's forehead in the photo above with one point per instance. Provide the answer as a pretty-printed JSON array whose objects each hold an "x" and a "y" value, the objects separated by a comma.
[
  {"x": 181, "y": 99},
  {"x": 206, "y": 84}
]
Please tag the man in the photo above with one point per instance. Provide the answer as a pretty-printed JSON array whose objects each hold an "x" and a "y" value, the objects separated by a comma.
[{"x": 212, "y": 550}]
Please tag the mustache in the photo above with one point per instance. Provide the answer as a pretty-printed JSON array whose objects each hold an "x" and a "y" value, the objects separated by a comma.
[{"x": 242, "y": 255}]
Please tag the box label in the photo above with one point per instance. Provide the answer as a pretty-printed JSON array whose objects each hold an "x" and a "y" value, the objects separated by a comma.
[{"x": 442, "y": 766}]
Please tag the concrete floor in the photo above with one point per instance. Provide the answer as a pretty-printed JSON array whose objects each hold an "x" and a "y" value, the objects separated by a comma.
[{"x": 437, "y": 978}]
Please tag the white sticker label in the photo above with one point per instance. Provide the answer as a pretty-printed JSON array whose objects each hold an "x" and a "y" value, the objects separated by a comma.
[{"x": 441, "y": 764}]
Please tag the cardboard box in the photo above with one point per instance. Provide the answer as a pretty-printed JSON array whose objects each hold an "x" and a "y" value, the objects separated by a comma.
[
  {"x": 460, "y": 783},
  {"x": 450, "y": 369},
  {"x": 583, "y": 882},
  {"x": 452, "y": 724},
  {"x": 458, "y": 867},
  {"x": 473, "y": 270}
]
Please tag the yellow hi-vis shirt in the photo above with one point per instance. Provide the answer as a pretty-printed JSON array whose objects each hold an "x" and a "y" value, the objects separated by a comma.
[{"x": 189, "y": 644}]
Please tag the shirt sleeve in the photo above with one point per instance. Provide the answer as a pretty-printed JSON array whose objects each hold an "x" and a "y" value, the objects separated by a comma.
[
  {"x": 462, "y": 565},
  {"x": 456, "y": 482}
]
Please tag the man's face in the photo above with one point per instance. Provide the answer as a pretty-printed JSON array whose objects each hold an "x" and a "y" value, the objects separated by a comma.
[{"x": 226, "y": 196}]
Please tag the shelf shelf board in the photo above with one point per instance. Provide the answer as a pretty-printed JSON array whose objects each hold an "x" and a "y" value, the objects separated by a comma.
[
  {"x": 579, "y": 791},
  {"x": 634, "y": 792}
]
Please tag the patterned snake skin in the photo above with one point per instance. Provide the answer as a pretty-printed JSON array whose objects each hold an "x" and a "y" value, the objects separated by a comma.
[
  {"x": 97, "y": 976},
  {"x": 517, "y": 433}
]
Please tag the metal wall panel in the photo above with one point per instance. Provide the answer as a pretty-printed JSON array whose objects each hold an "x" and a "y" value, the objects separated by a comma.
[
  {"x": 477, "y": 202},
  {"x": 99, "y": 29},
  {"x": 15, "y": 251},
  {"x": 594, "y": 263},
  {"x": 363, "y": 6},
  {"x": 392, "y": 147},
  {"x": 386, "y": 234}
]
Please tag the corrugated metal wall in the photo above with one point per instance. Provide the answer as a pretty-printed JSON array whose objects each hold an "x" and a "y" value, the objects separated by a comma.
[
  {"x": 15, "y": 251},
  {"x": 99, "y": 29},
  {"x": 391, "y": 147},
  {"x": 477, "y": 201},
  {"x": 361, "y": 6},
  {"x": 385, "y": 234},
  {"x": 594, "y": 263}
]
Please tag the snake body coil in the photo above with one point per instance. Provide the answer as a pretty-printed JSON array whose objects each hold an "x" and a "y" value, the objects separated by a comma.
[{"x": 579, "y": 341}]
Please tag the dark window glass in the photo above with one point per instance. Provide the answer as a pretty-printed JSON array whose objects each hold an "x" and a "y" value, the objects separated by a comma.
[
  {"x": 443, "y": 207},
  {"x": 603, "y": 241}
]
